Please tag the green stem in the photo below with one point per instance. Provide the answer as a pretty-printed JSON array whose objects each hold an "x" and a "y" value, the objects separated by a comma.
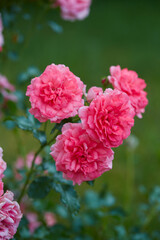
[
  {"x": 33, "y": 164},
  {"x": 129, "y": 179},
  {"x": 150, "y": 216}
]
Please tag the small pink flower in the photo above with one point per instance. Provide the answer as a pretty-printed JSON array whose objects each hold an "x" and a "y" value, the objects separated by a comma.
[
  {"x": 4, "y": 84},
  {"x": 1, "y": 34},
  {"x": 21, "y": 163},
  {"x": 93, "y": 93},
  {"x": 8, "y": 96},
  {"x": 29, "y": 160},
  {"x": 128, "y": 82},
  {"x": 109, "y": 118},
  {"x": 78, "y": 156},
  {"x": 6, "y": 90},
  {"x": 50, "y": 219},
  {"x": 3, "y": 164},
  {"x": 10, "y": 216},
  {"x": 56, "y": 94},
  {"x": 33, "y": 221},
  {"x": 74, "y": 9}
]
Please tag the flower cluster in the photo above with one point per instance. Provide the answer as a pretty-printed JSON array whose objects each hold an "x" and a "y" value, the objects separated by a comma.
[
  {"x": 1, "y": 34},
  {"x": 73, "y": 9},
  {"x": 10, "y": 211},
  {"x": 83, "y": 150}
]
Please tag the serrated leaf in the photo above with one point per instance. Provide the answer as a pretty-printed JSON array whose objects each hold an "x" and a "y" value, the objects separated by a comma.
[
  {"x": 28, "y": 123},
  {"x": 68, "y": 196},
  {"x": 40, "y": 187},
  {"x": 24, "y": 123},
  {"x": 40, "y": 135},
  {"x": 35, "y": 123}
]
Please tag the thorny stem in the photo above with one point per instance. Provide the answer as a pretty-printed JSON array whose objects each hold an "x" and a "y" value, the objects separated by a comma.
[{"x": 33, "y": 164}]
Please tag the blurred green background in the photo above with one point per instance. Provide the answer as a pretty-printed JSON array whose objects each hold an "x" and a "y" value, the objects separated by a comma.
[{"x": 116, "y": 32}]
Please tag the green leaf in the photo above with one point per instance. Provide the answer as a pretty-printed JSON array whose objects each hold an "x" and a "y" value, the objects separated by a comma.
[
  {"x": 90, "y": 183},
  {"x": 55, "y": 27},
  {"x": 40, "y": 187},
  {"x": 24, "y": 123},
  {"x": 41, "y": 233},
  {"x": 117, "y": 212},
  {"x": 28, "y": 123},
  {"x": 9, "y": 124},
  {"x": 40, "y": 135},
  {"x": 68, "y": 196}
]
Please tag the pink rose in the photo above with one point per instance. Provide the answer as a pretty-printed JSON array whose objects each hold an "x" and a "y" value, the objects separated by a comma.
[
  {"x": 4, "y": 84},
  {"x": 128, "y": 82},
  {"x": 3, "y": 164},
  {"x": 1, "y": 187},
  {"x": 8, "y": 96},
  {"x": 56, "y": 94},
  {"x": 10, "y": 216},
  {"x": 109, "y": 118},
  {"x": 1, "y": 34},
  {"x": 33, "y": 221},
  {"x": 6, "y": 88},
  {"x": 93, "y": 93},
  {"x": 78, "y": 156},
  {"x": 50, "y": 219},
  {"x": 74, "y": 9}
]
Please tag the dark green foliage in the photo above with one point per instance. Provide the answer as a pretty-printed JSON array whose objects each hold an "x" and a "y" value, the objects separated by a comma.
[
  {"x": 40, "y": 135},
  {"x": 28, "y": 123},
  {"x": 40, "y": 187},
  {"x": 68, "y": 196}
]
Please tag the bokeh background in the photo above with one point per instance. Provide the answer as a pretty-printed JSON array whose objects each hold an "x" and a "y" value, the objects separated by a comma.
[{"x": 116, "y": 32}]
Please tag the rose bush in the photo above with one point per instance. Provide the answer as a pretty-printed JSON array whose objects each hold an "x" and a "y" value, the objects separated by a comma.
[{"x": 76, "y": 133}]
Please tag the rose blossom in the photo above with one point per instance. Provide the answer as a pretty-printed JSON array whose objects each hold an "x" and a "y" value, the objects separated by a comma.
[
  {"x": 4, "y": 84},
  {"x": 6, "y": 89},
  {"x": 109, "y": 118},
  {"x": 10, "y": 216},
  {"x": 50, "y": 219},
  {"x": 3, "y": 164},
  {"x": 74, "y": 9},
  {"x": 78, "y": 156},
  {"x": 33, "y": 221},
  {"x": 128, "y": 82},
  {"x": 56, "y": 94},
  {"x": 1, "y": 35},
  {"x": 1, "y": 187},
  {"x": 93, "y": 92}
]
